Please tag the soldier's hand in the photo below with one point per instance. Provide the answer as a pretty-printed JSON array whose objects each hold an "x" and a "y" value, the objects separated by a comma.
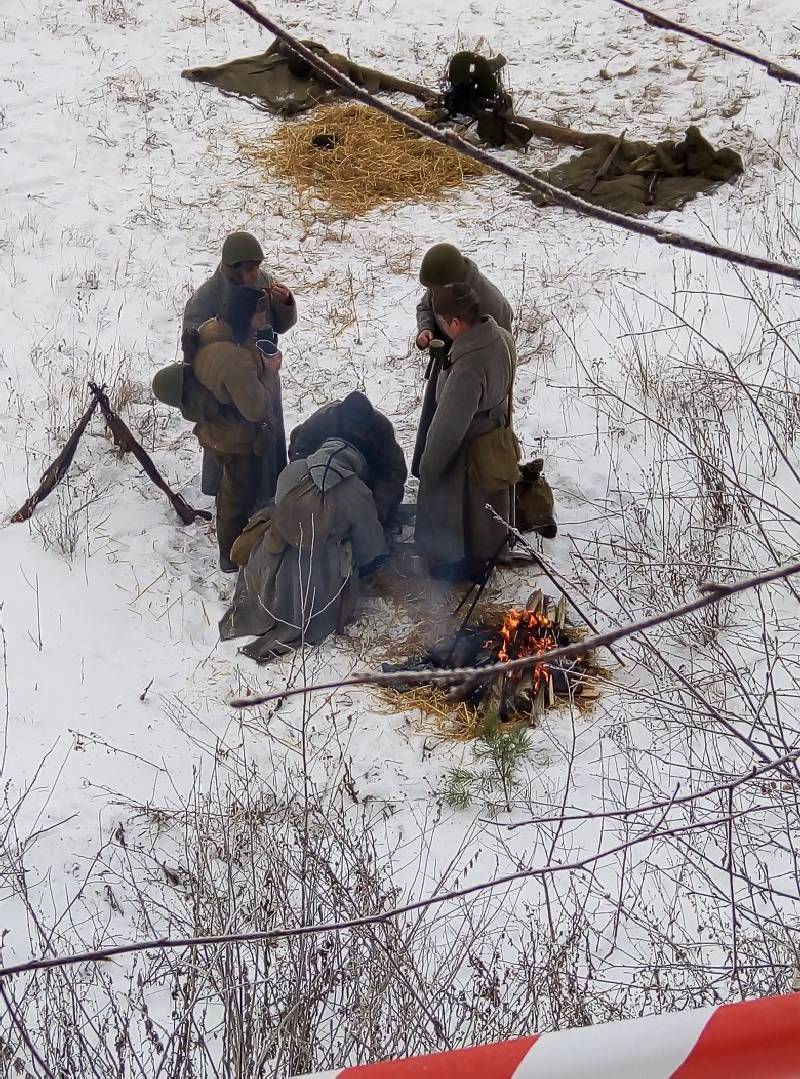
[
  {"x": 281, "y": 292},
  {"x": 424, "y": 339}
]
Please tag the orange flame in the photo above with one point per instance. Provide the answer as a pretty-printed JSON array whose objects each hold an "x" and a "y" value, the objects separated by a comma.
[{"x": 527, "y": 633}]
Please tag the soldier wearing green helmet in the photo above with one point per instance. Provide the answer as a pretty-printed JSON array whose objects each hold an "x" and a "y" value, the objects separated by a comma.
[
  {"x": 443, "y": 264},
  {"x": 240, "y": 264}
]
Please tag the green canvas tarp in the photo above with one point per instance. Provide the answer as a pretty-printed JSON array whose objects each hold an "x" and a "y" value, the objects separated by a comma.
[
  {"x": 625, "y": 175},
  {"x": 635, "y": 177},
  {"x": 286, "y": 84}
]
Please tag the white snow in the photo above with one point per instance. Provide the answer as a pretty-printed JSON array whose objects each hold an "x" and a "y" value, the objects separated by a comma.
[{"x": 119, "y": 180}]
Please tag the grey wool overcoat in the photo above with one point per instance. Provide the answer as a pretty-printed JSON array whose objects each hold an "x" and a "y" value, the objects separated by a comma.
[
  {"x": 295, "y": 596},
  {"x": 490, "y": 300},
  {"x": 472, "y": 399}
]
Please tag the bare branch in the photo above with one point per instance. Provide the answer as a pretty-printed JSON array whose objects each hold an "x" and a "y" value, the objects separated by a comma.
[
  {"x": 633, "y": 811},
  {"x": 712, "y": 592},
  {"x": 106, "y": 954},
  {"x": 773, "y": 69},
  {"x": 19, "y": 1024}
]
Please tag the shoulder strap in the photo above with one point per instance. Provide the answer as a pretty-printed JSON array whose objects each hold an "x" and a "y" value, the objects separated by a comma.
[
  {"x": 510, "y": 398},
  {"x": 190, "y": 344}
]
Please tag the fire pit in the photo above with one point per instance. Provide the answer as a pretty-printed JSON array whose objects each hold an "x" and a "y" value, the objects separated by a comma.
[{"x": 538, "y": 627}]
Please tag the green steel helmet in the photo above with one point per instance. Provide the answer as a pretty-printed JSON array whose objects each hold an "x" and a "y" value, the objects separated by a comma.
[
  {"x": 476, "y": 71},
  {"x": 168, "y": 385},
  {"x": 443, "y": 264},
  {"x": 241, "y": 247}
]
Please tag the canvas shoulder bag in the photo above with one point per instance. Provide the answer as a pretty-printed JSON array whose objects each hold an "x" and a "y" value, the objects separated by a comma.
[{"x": 493, "y": 458}]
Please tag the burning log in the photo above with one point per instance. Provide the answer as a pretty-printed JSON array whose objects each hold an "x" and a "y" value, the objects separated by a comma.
[{"x": 538, "y": 627}]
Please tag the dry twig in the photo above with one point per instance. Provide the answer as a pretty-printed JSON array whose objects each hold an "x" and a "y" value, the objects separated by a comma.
[{"x": 283, "y": 933}]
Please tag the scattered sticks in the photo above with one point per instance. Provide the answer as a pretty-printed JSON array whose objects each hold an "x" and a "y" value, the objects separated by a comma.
[
  {"x": 679, "y": 240},
  {"x": 634, "y": 811},
  {"x": 773, "y": 69},
  {"x": 20, "y": 1025}
]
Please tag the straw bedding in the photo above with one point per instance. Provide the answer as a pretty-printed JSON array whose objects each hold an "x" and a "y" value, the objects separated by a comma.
[
  {"x": 354, "y": 159},
  {"x": 435, "y": 714}
]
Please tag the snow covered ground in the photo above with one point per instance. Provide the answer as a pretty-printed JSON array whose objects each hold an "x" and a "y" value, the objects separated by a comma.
[{"x": 660, "y": 387}]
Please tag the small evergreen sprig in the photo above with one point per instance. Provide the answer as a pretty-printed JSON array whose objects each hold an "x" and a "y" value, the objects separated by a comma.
[{"x": 497, "y": 755}]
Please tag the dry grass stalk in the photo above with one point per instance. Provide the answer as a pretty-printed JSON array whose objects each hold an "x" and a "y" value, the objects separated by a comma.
[
  {"x": 437, "y": 714},
  {"x": 458, "y": 721},
  {"x": 361, "y": 160}
]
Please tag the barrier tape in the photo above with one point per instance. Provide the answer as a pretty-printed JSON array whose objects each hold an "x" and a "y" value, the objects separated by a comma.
[{"x": 750, "y": 1040}]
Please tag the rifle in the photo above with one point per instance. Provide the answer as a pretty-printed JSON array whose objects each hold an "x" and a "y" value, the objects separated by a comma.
[
  {"x": 125, "y": 442},
  {"x": 478, "y": 587},
  {"x": 437, "y": 353},
  {"x": 57, "y": 469}
]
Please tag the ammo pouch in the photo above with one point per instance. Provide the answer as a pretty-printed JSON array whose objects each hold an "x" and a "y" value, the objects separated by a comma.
[
  {"x": 534, "y": 502},
  {"x": 493, "y": 460},
  {"x": 245, "y": 543}
]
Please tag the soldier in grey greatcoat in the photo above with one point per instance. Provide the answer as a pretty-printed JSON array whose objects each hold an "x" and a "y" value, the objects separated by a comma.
[
  {"x": 443, "y": 264},
  {"x": 455, "y": 531},
  {"x": 240, "y": 265},
  {"x": 301, "y": 579}
]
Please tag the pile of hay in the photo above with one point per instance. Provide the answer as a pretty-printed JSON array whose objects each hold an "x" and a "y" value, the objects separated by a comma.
[
  {"x": 354, "y": 159},
  {"x": 436, "y": 714}
]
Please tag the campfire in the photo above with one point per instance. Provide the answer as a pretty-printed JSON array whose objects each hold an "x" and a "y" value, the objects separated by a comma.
[{"x": 539, "y": 626}]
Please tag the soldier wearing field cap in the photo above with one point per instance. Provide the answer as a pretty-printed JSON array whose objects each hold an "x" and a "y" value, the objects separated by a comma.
[
  {"x": 240, "y": 264},
  {"x": 444, "y": 264}
]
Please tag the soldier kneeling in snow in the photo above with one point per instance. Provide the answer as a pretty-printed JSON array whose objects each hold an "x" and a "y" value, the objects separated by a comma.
[
  {"x": 302, "y": 559},
  {"x": 356, "y": 421}
]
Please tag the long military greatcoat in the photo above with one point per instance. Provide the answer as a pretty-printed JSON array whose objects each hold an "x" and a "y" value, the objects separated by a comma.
[
  {"x": 210, "y": 301},
  {"x": 472, "y": 399},
  {"x": 236, "y": 375},
  {"x": 292, "y": 595},
  {"x": 491, "y": 301}
]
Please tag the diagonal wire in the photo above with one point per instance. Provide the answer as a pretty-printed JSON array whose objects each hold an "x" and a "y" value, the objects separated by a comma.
[
  {"x": 680, "y": 240},
  {"x": 772, "y": 68}
]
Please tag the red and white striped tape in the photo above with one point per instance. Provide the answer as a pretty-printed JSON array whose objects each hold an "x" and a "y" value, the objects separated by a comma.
[{"x": 754, "y": 1039}]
